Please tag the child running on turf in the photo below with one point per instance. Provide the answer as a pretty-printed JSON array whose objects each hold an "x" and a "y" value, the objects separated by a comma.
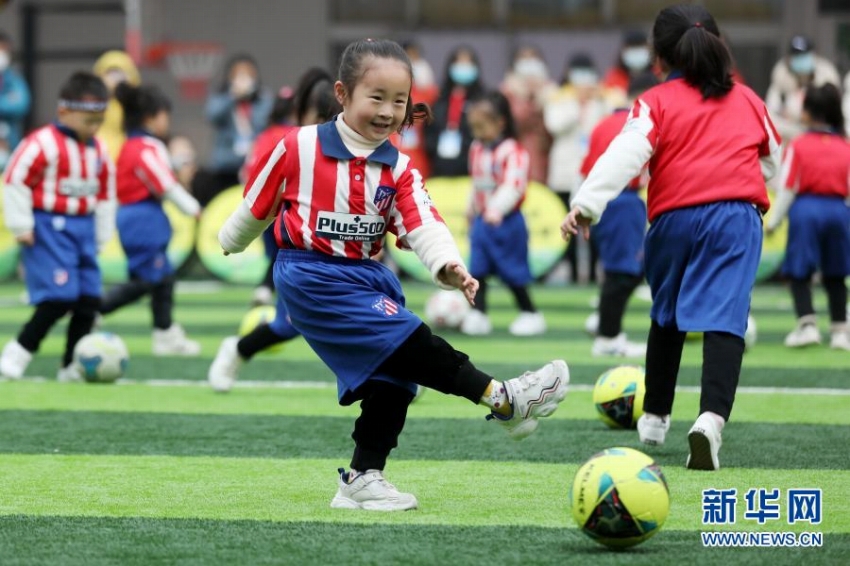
[
  {"x": 813, "y": 192},
  {"x": 498, "y": 235},
  {"x": 710, "y": 145},
  {"x": 145, "y": 178},
  {"x": 314, "y": 102},
  {"x": 59, "y": 202},
  {"x": 619, "y": 237},
  {"x": 338, "y": 188}
]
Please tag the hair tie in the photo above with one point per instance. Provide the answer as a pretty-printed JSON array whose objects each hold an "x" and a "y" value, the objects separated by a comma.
[{"x": 697, "y": 25}]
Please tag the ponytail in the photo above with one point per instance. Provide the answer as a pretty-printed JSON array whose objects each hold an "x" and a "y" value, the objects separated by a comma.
[{"x": 687, "y": 38}]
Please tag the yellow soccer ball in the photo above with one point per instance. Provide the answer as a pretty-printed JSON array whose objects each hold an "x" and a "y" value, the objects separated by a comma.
[
  {"x": 264, "y": 314},
  {"x": 619, "y": 497},
  {"x": 618, "y": 396}
]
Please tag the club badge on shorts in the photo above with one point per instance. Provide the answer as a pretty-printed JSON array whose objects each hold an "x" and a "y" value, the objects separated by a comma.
[
  {"x": 385, "y": 306},
  {"x": 60, "y": 276}
]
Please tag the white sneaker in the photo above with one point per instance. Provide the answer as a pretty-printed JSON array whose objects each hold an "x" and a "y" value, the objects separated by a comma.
[
  {"x": 476, "y": 323},
  {"x": 69, "y": 374},
  {"x": 617, "y": 347},
  {"x": 14, "y": 360},
  {"x": 533, "y": 395},
  {"x": 840, "y": 341},
  {"x": 224, "y": 370},
  {"x": 804, "y": 335},
  {"x": 173, "y": 342},
  {"x": 591, "y": 324},
  {"x": 370, "y": 491},
  {"x": 528, "y": 324},
  {"x": 704, "y": 440},
  {"x": 262, "y": 296},
  {"x": 652, "y": 429}
]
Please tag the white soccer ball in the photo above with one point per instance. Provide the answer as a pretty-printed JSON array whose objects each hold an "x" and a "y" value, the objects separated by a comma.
[
  {"x": 751, "y": 334},
  {"x": 101, "y": 357},
  {"x": 591, "y": 324},
  {"x": 446, "y": 309}
]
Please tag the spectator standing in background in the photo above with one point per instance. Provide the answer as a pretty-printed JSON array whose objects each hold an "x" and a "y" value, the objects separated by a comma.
[
  {"x": 527, "y": 85},
  {"x": 425, "y": 89},
  {"x": 635, "y": 58},
  {"x": 14, "y": 101},
  {"x": 113, "y": 68},
  {"x": 788, "y": 82},
  {"x": 237, "y": 112},
  {"x": 447, "y": 137}
]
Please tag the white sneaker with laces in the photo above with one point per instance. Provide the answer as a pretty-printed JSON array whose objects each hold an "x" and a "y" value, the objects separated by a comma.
[
  {"x": 14, "y": 360},
  {"x": 617, "y": 347},
  {"x": 652, "y": 429},
  {"x": 69, "y": 374},
  {"x": 369, "y": 490},
  {"x": 262, "y": 296},
  {"x": 224, "y": 370},
  {"x": 704, "y": 440},
  {"x": 173, "y": 342},
  {"x": 840, "y": 341},
  {"x": 533, "y": 395},
  {"x": 805, "y": 334},
  {"x": 476, "y": 323},
  {"x": 528, "y": 324}
]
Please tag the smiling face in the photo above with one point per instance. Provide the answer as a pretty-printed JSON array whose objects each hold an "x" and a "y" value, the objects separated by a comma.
[{"x": 377, "y": 105}]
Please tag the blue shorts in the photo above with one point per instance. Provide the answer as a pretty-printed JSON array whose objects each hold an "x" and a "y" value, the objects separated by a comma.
[
  {"x": 620, "y": 233},
  {"x": 282, "y": 324},
  {"x": 701, "y": 265},
  {"x": 500, "y": 250},
  {"x": 351, "y": 312},
  {"x": 144, "y": 231},
  {"x": 818, "y": 237},
  {"x": 269, "y": 243},
  {"x": 62, "y": 264}
]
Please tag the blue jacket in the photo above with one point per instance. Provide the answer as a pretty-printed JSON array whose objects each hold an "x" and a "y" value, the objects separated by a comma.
[
  {"x": 14, "y": 106},
  {"x": 229, "y": 148}
]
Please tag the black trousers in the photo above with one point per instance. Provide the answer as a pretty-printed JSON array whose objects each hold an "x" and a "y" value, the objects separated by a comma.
[
  {"x": 83, "y": 312},
  {"x": 426, "y": 360}
]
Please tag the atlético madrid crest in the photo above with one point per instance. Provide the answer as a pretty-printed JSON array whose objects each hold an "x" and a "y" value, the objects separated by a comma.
[
  {"x": 384, "y": 197},
  {"x": 60, "y": 276},
  {"x": 385, "y": 306}
]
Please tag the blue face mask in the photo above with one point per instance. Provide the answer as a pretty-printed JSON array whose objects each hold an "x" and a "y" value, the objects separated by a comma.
[
  {"x": 802, "y": 64},
  {"x": 463, "y": 73}
]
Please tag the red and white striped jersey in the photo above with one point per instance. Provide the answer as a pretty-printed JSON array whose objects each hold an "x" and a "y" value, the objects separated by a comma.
[
  {"x": 64, "y": 175},
  {"x": 331, "y": 201},
  {"x": 143, "y": 169},
  {"x": 817, "y": 163},
  {"x": 500, "y": 169}
]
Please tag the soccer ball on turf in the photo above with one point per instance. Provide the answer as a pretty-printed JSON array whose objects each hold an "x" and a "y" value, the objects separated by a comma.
[
  {"x": 619, "y": 497},
  {"x": 446, "y": 309},
  {"x": 101, "y": 357},
  {"x": 264, "y": 314},
  {"x": 618, "y": 396}
]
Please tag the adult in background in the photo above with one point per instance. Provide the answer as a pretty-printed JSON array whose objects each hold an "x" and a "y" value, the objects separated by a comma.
[
  {"x": 425, "y": 89},
  {"x": 527, "y": 85},
  {"x": 238, "y": 111},
  {"x": 447, "y": 137},
  {"x": 115, "y": 67},
  {"x": 789, "y": 79},
  {"x": 634, "y": 59},
  {"x": 14, "y": 101}
]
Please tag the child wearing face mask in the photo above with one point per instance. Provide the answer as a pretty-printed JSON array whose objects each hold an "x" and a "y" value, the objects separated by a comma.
[
  {"x": 447, "y": 137},
  {"x": 14, "y": 101}
]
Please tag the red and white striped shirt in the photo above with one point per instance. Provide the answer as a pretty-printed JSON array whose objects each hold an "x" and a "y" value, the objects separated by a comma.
[
  {"x": 143, "y": 170},
  {"x": 499, "y": 175},
  {"x": 64, "y": 175},
  {"x": 332, "y": 201}
]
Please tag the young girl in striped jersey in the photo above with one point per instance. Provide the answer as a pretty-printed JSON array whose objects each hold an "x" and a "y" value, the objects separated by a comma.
[
  {"x": 144, "y": 179},
  {"x": 498, "y": 235},
  {"x": 710, "y": 145},
  {"x": 813, "y": 192},
  {"x": 336, "y": 189}
]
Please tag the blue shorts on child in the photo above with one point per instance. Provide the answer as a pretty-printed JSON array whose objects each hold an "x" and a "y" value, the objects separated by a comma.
[
  {"x": 620, "y": 233},
  {"x": 144, "y": 231},
  {"x": 701, "y": 265},
  {"x": 500, "y": 250},
  {"x": 282, "y": 324},
  {"x": 818, "y": 237},
  {"x": 62, "y": 264},
  {"x": 350, "y": 311}
]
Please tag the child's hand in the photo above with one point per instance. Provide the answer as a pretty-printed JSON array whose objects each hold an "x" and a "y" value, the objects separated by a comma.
[
  {"x": 492, "y": 217},
  {"x": 571, "y": 224},
  {"x": 27, "y": 239},
  {"x": 457, "y": 276}
]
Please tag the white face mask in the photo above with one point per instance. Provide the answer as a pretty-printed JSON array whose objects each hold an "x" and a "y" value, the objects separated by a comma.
[
  {"x": 531, "y": 68},
  {"x": 423, "y": 75},
  {"x": 583, "y": 77},
  {"x": 5, "y": 60},
  {"x": 636, "y": 58}
]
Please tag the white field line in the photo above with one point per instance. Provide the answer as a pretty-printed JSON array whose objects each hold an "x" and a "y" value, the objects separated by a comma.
[{"x": 329, "y": 385}]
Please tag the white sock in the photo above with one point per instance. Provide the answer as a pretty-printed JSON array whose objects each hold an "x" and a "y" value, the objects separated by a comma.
[{"x": 497, "y": 397}]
